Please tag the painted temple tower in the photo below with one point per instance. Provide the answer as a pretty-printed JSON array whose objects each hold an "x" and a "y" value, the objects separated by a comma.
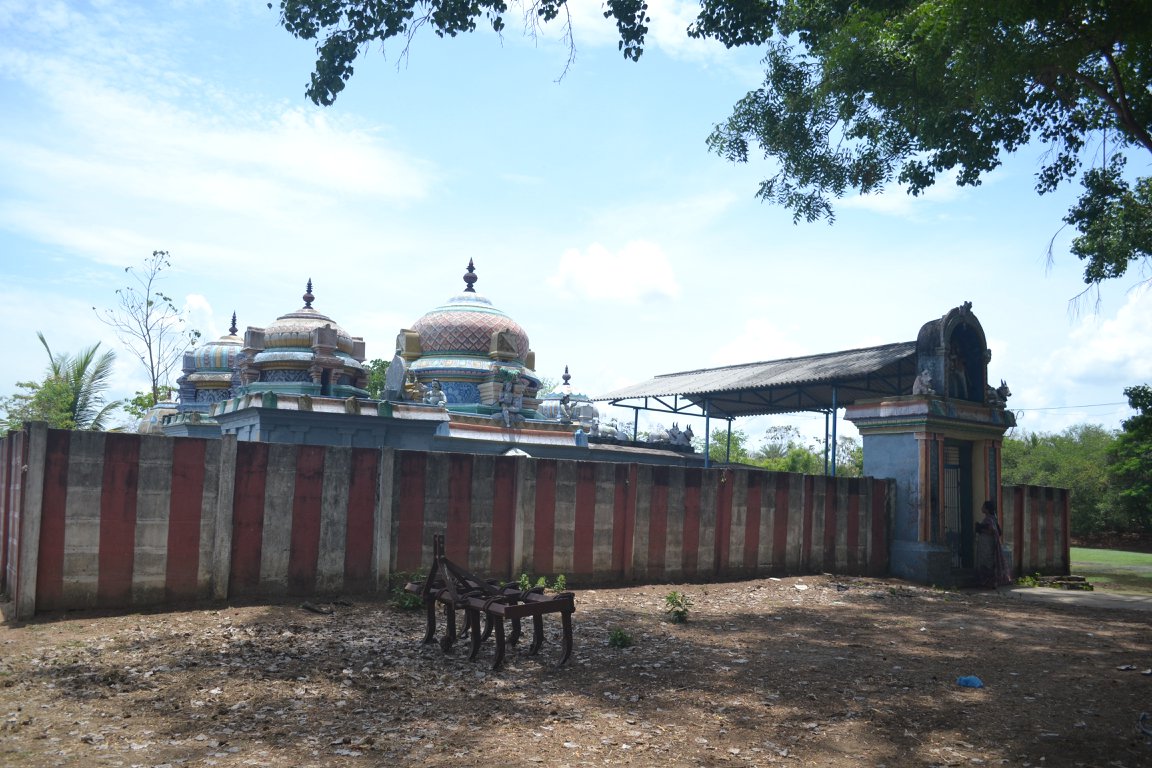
[
  {"x": 568, "y": 405},
  {"x": 209, "y": 377},
  {"x": 209, "y": 372},
  {"x": 302, "y": 353},
  {"x": 478, "y": 355},
  {"x": 462, "y": 379}
]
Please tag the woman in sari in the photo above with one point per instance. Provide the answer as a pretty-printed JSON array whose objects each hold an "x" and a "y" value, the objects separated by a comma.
[{"x": 991, "y": 566}]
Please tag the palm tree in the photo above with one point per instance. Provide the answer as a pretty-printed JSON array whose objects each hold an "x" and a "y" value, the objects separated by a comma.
[{"x": 81, "y": 381}]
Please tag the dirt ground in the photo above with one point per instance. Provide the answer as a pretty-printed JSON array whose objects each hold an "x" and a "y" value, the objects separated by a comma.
[{"x": 813, "y": 671}]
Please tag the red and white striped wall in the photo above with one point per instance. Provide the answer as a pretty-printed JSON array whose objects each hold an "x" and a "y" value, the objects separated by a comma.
[
  {"x": 303, "y": 519},
  {"x": 1036, "y": 526},
  {"x": 125, "y": 520},
  {"x": 120, "y": 520}
]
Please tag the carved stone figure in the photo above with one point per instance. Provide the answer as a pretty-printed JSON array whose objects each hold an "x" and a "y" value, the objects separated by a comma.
[
  {"x": 1003, "y": 391},
  {"x": 923, "y": 383},
  {"x": 394, "y": 378},
  {"x": 511, "y": 402},
  {"x": 998, "y": 398},
  {"x": 434, "y": 395},
  {"x": 672, "y": 436},
  {"x": 609, "y": 431},
  {"x": 565, "y": 408},
  {"x": 413, "y": 389}
]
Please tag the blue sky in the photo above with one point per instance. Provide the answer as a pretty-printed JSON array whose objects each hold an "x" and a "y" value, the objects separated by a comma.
[{"x": 590, "y": 205}]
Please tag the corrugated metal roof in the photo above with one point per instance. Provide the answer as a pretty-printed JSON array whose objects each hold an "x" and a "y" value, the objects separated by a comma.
[{"x": 807, "y": 383}]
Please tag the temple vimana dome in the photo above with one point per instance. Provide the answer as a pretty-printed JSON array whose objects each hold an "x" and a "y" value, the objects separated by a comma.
[
  {"x": 209, "y": 371},
  {"x": 474, "y": 350},
  {"x": 304, "y": 352}
]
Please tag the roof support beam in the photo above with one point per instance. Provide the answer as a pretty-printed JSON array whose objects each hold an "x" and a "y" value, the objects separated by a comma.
[{"x": 707, "y": 435}]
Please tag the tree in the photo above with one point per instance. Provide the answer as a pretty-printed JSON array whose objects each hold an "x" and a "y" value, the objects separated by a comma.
[
  {"x": 47, "y": 401},
  {"x": 783, "y": 450},
  {"x": 141, "y": 403},
  {"x": 149, "y": 325},
  {"x": 849, "y": 457},
  {"x": 1077, "y": 459},
  {"x": 725, "y": 446},
  {"x": 1130, "y": 464},
  {"x": 71, "y": 396},
  {"x": 859, "y": 96},
  {"x": 377, "y": 374}
]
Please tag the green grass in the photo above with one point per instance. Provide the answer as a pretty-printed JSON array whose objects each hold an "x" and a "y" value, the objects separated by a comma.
[{"x": 1114, "y": 570}]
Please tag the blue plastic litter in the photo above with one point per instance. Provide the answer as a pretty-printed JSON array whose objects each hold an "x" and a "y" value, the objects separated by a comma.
[{"x": 970, "y": 681}]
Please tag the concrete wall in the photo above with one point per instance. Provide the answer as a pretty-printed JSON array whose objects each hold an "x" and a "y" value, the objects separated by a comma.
[
  {"x": 1036, "y": 529},
  {"x": 118, "y": 520}
]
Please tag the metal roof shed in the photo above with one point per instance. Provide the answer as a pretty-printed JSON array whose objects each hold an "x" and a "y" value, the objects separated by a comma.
[{"x": 819, "y": 383}]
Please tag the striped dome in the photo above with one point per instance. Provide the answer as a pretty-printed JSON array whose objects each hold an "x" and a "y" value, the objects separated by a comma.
[{"x": 219, "y": 355}]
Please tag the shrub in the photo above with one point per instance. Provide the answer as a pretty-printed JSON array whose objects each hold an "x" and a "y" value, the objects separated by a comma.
[
  {"x": 676, "y": 605},
  {"x": 620, "y": 639}
]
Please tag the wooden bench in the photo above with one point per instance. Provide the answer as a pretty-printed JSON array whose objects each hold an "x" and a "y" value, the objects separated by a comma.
[{"x": 486, "y": 603}]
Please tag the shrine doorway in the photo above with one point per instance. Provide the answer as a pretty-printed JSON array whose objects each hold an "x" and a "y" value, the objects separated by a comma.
[{"x": 959, "y": 525}]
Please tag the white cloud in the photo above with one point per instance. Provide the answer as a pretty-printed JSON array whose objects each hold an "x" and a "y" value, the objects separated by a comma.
[
  {"x": 1116, "y": 349},
  {"x": 1083, "y": 379},
  {"x": 638, "y": 271},
  {"x": 669, "y": 30},
  {"x": 118, "y": 153}
]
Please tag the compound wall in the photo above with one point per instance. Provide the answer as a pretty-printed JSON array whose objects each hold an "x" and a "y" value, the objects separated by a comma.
[{"x": 113, "y": 520}]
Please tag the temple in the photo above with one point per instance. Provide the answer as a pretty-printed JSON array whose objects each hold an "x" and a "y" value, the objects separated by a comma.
[{"x": 462, "y": 378}]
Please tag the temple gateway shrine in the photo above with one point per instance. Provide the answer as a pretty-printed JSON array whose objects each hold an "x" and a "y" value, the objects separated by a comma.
[
  {"x": 463, "y": 378},
  {"x": 926, "y": 411}
]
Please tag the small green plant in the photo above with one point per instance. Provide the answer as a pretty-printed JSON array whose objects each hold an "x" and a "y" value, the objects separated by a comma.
[
  {"x": 401, "y": 598},
  {"x": 620, "y": 639},
  {"x": 676, "y": 605},
  {"x": 559, "y": 584},
  {"x": 1029, "y": 581}
]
